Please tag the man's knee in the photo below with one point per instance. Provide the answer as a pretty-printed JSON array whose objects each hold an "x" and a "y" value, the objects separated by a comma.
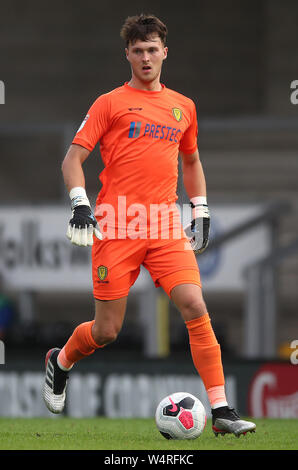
[
  {"x": 193, "y": 307},
  {"x": 104, "y": 334}
]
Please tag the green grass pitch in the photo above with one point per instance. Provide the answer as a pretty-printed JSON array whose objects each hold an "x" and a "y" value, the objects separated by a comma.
[{"x": 64, "y": 433}]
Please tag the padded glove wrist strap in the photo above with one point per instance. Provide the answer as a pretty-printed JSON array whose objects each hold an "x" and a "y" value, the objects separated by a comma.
[{"x": 78, "y": 197}]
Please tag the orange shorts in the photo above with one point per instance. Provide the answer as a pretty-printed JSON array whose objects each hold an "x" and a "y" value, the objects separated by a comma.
[{"x": 116, "y": 265}]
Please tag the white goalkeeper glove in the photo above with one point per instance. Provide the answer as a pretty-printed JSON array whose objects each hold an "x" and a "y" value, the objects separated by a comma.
[
  {"x": 83, "y": 224},
  {"x": 198, "y": 231}
]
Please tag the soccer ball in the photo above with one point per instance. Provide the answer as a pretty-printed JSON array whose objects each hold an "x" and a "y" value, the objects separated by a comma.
[{"x": 180, "y": 416}]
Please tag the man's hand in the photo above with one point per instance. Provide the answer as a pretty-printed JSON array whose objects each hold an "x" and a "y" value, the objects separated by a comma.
[
  {"x": 83, "y": 224},
  {"x": 198, "y": 231}
]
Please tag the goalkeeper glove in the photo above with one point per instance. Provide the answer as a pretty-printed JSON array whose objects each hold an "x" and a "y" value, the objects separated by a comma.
[
  {"x": 198, "y": 231},
  {"x": 83, "y": 224}
]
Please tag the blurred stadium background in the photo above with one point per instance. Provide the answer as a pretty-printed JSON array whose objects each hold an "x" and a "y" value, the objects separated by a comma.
[{"x": 237, "y": 61}]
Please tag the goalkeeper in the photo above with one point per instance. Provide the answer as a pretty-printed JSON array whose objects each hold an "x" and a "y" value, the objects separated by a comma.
[{"x": 141, "y": 127}]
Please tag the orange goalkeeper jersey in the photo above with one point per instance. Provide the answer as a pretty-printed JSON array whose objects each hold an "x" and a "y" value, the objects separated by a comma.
[{"x": 140, "y": 135}]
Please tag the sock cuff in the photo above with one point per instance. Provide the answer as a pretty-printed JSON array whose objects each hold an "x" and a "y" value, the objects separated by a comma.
[
  {"x": 198, "y": 322},
  {"x": 88, "y": 331},
  {"x": 90, "y": 338}
]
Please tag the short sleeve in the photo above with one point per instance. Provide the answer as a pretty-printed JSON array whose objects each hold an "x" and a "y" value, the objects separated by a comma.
[
  {"x": 188, "y": 143},
  {"x": 95, "y": 124}
]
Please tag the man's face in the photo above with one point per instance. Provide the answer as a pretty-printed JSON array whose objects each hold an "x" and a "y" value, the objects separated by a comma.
[{"x": 146, "y": 58}]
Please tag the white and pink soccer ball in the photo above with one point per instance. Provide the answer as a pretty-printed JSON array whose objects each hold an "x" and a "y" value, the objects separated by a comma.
[{"x": 180, "y": 416}]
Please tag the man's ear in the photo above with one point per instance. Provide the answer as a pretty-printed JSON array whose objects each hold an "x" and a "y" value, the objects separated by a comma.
[
  {"x": 165, "y": 53},
  {"x": 126, "y": 52}
]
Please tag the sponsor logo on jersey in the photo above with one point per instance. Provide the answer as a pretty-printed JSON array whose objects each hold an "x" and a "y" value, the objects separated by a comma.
[
  {"x": 177, "y": 113},
  {"x": 155, "y": 131},
  {"x": 134, "y": 129}
]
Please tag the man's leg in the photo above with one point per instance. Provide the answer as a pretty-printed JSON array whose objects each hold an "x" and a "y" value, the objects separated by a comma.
[
  {"x": 86, "y": 338},
  {"x": 206, "y": 356},
  {"x": 204, "y": 347},
  {"x": 89, "y": 336}
]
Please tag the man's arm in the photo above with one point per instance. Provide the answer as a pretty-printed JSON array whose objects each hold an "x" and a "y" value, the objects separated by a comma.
[
  {"x": 195, "y": 187},
  {"x": 72, "y": 167},
  {"x": 83, "y": 224},
  {"x": 193, "y": 175}
]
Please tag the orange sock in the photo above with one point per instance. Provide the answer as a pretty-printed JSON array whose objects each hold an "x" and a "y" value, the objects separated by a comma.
[
  {"x": 79, "y": 345},
  {"x": 206, "y": 356}
]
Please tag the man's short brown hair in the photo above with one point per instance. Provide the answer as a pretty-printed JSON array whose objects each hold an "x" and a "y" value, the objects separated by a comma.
[{"x": 140, "y": 27}]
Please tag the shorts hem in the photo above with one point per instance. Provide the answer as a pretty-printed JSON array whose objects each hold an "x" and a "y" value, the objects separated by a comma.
[
  {"x": 196, "y": 283},
  {"x": 168, "y": 287},
  {"x": 105, "y": 296},
  {"x": 175, "y": 271}
]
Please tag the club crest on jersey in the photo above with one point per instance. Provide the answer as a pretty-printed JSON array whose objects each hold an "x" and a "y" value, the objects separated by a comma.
[
  {"x": 102, "y": 272},
  {"x": 177, "y": 113}
]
